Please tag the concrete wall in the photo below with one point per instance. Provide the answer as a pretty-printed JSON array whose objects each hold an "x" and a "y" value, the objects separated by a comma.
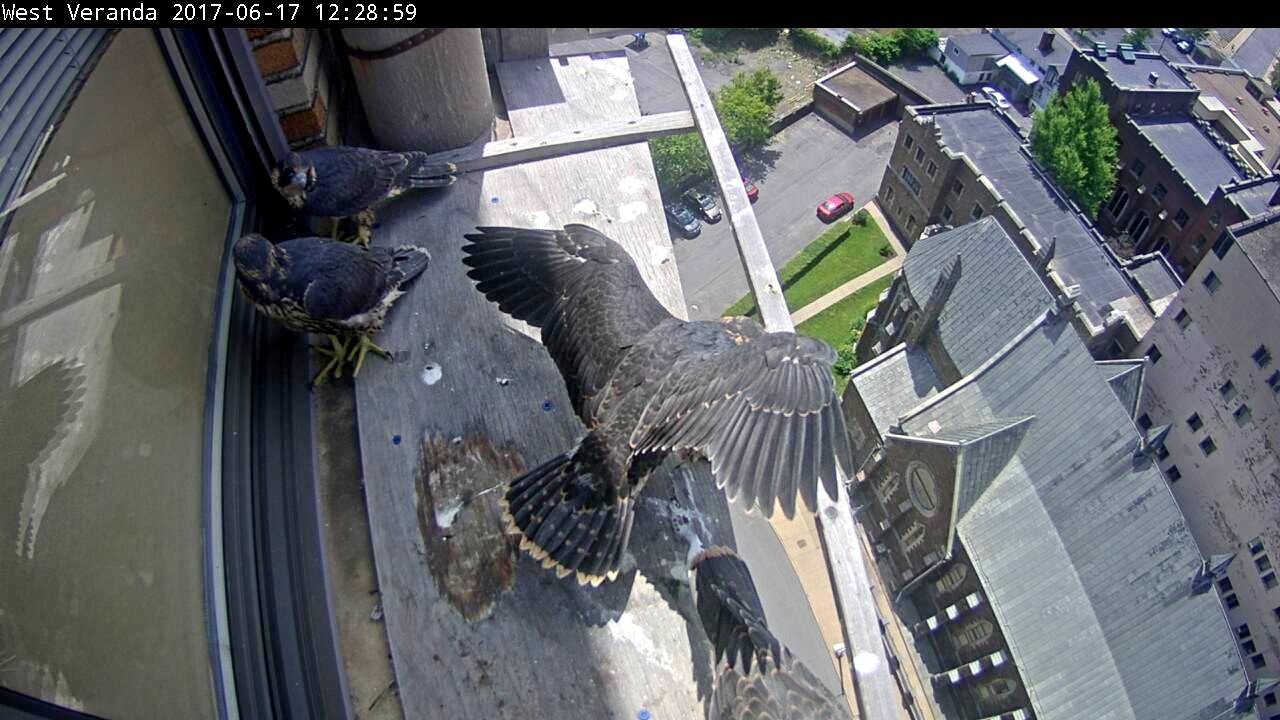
[{"x": 1232, "y": 495}]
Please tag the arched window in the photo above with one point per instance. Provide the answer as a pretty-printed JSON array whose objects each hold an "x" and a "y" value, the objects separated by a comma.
[
  {"x": 1119, "y": 199},
  {"x": 996, "y": 691},
  {"x": 951, "y": 580},
  {"x": 1139, "y": 225},
  {"x": 974, "y": 633}
]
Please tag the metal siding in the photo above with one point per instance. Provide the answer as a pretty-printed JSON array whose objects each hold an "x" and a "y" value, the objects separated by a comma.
[{"x": 38, "y": 66}]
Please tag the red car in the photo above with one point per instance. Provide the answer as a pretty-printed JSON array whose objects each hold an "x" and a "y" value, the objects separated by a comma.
[
  {"x": 753, "y": 192},
  {"x": 835, "y": 206}
]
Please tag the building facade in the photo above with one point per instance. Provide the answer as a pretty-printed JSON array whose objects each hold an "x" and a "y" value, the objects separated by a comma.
[
  {"x": 1016, "y": 512},
  {"x": 954, "y": 164},
  {"x": 971, "y": 58},
  {"x": 1214, "y": 382}
]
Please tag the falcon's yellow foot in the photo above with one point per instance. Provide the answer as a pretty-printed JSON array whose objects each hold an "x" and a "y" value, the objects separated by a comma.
[
  {"x": 337, "y": 356},
  {"x": 361, "y": 348}
]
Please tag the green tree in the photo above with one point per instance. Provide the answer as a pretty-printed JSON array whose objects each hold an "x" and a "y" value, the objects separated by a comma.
[
  {"x": 915, "y": 41},
  {"x": 1074, "y": 140},
  {"x": 1137, "y": 37},
  {"x": 745, "y": 108},
  {"x": 882, "y": 49}
]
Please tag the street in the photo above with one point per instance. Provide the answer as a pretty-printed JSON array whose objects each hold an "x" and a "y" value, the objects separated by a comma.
[{"x": 812, "y": 160}]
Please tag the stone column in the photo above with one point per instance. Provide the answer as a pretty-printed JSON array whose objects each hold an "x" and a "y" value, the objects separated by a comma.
[{"x": 422, "y": 88}]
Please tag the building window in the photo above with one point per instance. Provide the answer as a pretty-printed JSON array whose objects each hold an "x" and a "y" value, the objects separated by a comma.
[
  {"x": 1223, "y": 244},
  {"x": 1139, "y": 167},
  {"x": 946, "y": 213},
  {"x": 1216, "y": 218},
  {"x": 1269, "y": 580},
  {"x": 1224, "y": 585},
  {"x": 1207, "y": 446},
  {"x": 1173, "y": 473},
  {"x": 977, "y": 212},
  {"x": 1199, "y": 244},
  {"x": 1263, "y": 563},
  {"x": 1258, "y": 661},
  {"x": 1162, "y": 245},
  {"x": 1227, "y": 391},
  {"x": 1159, "y": 192},
  {"x": 1269, "y": 699},
  {"x": 1242, "y": 415},
  {"x": 1183, "y": 319},
  {"x": 1242, "y": 631},
  {"x": 919, "y": 155},
  {"x": 909, "y": 142},
  {"x": 1276, "y": 611},
  {"x": 1256, "y": 546},
  {"x": 1211, "y": 282},
  {"x": 1119, "y": 199},
  {"x": 1181, "y": 218},
  {"x": 1194, "y": 422},
  {"x": 1138, "y": 225},
  {"x": 888, "y": 193},
  {"x": 1262, "y": 356},
  {"x": 957, "y": 187},
  {"x": 912, "y": 183},
  {"x": 1273, "y": 382},
  {"x": 911, "y": 223},
  {"x": 933, "y": 168},
  {"x": 1144, "y": 421},
  {"x": 1154, "y": 354},
  {"x": 1248, "y": 647},
  {"x": 1231, "y": 601}
]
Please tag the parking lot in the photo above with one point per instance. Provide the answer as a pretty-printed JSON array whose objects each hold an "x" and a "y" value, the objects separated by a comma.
[{"x": 811, "y": 160}]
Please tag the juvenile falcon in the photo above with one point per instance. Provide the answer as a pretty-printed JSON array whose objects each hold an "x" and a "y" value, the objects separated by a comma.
[
  {"x": 760, "y": 406},
  {"x": 756, "y": 678},
  {"x": 350, "y": 182},
  {"x": 327, "y": 287}
]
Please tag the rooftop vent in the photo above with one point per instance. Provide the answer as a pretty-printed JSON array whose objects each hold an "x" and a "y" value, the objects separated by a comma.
[
  {"x": 1046, "y": 41},
  {"x": 1153, "y": 78},
  {"x": 1100, "y": 49}
]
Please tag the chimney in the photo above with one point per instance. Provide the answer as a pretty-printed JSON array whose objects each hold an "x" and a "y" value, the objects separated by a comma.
[
  {"x": 1154, "y": 78},
  {"x": 1046, "y": 41}
]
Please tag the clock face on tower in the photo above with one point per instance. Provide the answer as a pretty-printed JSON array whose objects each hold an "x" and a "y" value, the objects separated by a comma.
[{"x": 922, "y": 489}]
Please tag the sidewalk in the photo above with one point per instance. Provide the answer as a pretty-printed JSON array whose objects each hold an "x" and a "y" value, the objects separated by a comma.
[{"x": 888, "y": 268}]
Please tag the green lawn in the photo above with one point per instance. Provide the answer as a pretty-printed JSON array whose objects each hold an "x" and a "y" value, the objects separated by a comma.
[
  {"x": 840, "y": 254},
  {"x": 832, "y": 325}
]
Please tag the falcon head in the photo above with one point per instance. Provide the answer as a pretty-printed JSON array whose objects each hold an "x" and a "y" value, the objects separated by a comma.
[
  {"x": 293, "y": 177},
  {"x": 256, "y": 258}
]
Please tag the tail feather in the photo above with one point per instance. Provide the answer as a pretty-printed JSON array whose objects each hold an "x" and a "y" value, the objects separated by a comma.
[
  {"x": 567, "y": 518},
  {"x": 410, "y": 261},
  {"x": 423, "y": 173},
  {"x": 730, "y": 610}
]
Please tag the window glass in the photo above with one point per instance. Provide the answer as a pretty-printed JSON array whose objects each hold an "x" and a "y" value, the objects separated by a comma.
[{"x": 108, "y": 284}]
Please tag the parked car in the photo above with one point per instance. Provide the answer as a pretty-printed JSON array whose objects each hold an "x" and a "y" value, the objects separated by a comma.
[
  {"x": 1185, "y": 46},
  {"x": 753, "y": 192},
  {"x": 703, "y": 204},
  {"x": 996, "y": 97},
  {"x": 1168, "y": 32},
  {"x": 835, "y": 206},
  {"x": 683, "y": 220}
]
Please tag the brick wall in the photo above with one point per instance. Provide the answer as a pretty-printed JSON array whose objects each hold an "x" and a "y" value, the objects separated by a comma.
[{"x": 299, "y": 67}]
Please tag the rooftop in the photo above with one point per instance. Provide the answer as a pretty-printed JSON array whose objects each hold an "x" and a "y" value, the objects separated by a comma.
[
  {"x": 1027, "y": 42},
  {"x": 994, "y": 146},
  {"x": 1232, "y": 88},
  {"x": 1136, "y": 75},
  {"x": 977, "y": 44},
  {"x": 1260, "y": 239},
  {"x": 1083, "y": 553},
  {"x": 1181, "y": 140},
  {"x": 853, "y": 84},
  {"x": 1254, "y": 196},
  {"x": 1153, "y": 276}
]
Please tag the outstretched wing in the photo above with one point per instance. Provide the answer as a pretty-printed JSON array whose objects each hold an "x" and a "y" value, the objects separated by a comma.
[
  {"x": 761, "y": 408},
  {"x": 581, "y": 288},
  {"x": 783, "y": 693}
]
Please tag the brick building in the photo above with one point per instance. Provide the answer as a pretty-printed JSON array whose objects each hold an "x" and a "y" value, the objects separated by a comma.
[
  {"x": 1015, "y": 510},
  {"x": 954, "y": 164}
]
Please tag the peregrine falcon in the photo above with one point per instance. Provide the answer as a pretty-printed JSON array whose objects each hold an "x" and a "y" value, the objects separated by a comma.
[
  {"x": 756, "y": 678},
  {"x": 349, "y": 182},
  {"x": 760, "y": 406},
  {"x": 327, "y": 287}
]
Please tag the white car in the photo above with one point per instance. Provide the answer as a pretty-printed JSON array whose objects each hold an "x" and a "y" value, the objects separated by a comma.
[
  {"x": 996, "y": 97},
  {"x": 1168, "y": 32},
  {"x": 1185, "y": 46}
]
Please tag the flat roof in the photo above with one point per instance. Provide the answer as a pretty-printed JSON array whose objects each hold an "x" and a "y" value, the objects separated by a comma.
[
  {"x": 1186, "y": 146},
  {"x": 977, "y": 44},
  {"x": 855, "y": 85},
  {"x": 1233, "y": 90},
  {"x": 1260, "y": 240},
  {"x": 1136, "y": 75},
  {"x": 995, "y": 147}
]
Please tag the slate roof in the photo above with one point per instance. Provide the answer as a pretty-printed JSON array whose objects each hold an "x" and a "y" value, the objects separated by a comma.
[
  {"x": 1084, "y": 555},
  {"x": 897, "y": 379},
  {"x": 1027, "y": 42},
  {"x": 1260, "y": 239},
  {"x": 1153, "y": 276},
  {"x": 994, "y": 147},
  {"x": 1125, "y": 379},
  {"x": 1255, "y": 197},
  {"x": 1189, "y": 150},
  {"x": 977, "y": 44}
]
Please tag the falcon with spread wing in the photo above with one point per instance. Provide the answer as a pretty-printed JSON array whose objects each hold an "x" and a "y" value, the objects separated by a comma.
[
  {"x": 760, "y": 406},
  {"x": 756, "y": 677},
  {"x": 327, "y": 287},
  {"x": 350, "y": 182}
]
